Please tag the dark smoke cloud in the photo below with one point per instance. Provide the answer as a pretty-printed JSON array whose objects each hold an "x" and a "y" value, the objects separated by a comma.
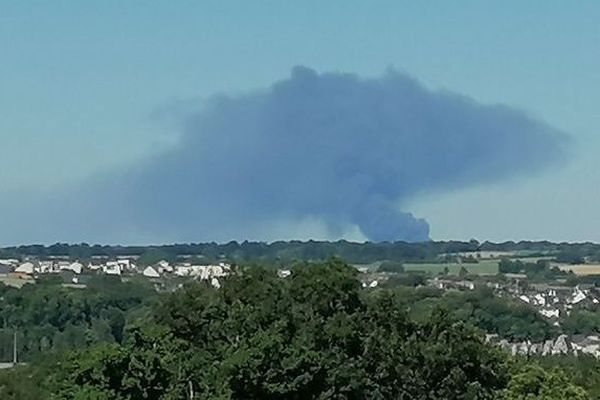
[{"x": 331, "y": 147}]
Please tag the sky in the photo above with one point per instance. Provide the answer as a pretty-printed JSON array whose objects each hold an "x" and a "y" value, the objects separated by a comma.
[{"x": 89, "y": 88}]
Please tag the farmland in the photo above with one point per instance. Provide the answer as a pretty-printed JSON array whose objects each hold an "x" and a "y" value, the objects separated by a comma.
[
  {"x": 582, "y": 269},
  {"x": 15, "y": 282}
]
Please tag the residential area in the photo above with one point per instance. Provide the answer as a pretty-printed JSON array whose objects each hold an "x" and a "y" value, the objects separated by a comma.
[{"x": 15, "y": 272}]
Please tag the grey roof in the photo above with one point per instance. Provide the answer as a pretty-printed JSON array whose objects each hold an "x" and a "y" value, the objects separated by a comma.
[{"x": 5, "y": 269}]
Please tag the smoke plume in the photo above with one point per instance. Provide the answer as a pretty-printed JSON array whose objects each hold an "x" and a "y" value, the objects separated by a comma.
[{"x": 328, "y": 147}]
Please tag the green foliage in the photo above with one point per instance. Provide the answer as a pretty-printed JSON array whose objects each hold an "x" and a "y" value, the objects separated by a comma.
[
  {"x": 391, "y": 266},
  {"x": 283, "y": 253},
  {"x": 508, "y": 266},
  {"x": 505, "y": 317},
  {"x": 144, "y": 368},
  {"x": 412, "y": 279},
  {"x": 50, "y": 317},
  {"x": 535, "y": 271},
  {"x": 582, "y": 370},
  {"x": 275, "y": 253},
  {"x": 480, "y": 307},
  {"x": 570, "y": 256},
  {"x": 32, "y": 381},
  {"x": 582, "y": 322},
  {"x": 533, "y": 382},
  {"x": 313, "y": 335}
]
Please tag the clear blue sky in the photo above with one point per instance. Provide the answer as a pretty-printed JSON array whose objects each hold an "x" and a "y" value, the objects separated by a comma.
[{"x": 81, "y": 83}]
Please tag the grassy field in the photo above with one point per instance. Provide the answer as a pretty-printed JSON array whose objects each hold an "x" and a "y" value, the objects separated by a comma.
[
  {"x": 582, "y": 269},
  {"x": 484, "y": 267},
  {"x": 14, "y": 282}
]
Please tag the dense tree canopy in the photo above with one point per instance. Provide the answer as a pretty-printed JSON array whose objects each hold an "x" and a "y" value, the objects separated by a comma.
[
  {"x": 533, "y": 382},
  {"x": 48, "y": 316}
]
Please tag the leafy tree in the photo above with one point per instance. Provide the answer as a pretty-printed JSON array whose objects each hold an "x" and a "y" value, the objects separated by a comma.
[
  {"x": 533, "y": 382},
  {"x": 390, "y": 266},
  {"x": 507, "y": 266},
  {"x": 317, "y": 335},
  {"x": 145, "y": 368},
  {"x": 412, "y": 279}
]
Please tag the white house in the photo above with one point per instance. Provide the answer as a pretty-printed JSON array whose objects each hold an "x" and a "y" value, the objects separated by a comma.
[
  {"x": 215, "y": 283},
  {"x": 46, "y": 267},
  {"x": 163, "y": 266},
  {"x": 550, "y": 313},
  {"x": 94, "y": 267},
  {"x": 25, "y": 268},
  {"x": 75, "y": 267},
  {"x": 284, "y": 273},
  {"x": 182, "y": 270},
  {"x": 524, "y": 298},
  {"x": 125, "y": 264},
  {"x": 578, "y": 296},
  {"x": 112, "y": 268},
  {"x": 150, "y": 273}
]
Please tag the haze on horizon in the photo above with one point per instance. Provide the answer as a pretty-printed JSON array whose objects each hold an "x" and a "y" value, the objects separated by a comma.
[{"x": 169, "y": 122}]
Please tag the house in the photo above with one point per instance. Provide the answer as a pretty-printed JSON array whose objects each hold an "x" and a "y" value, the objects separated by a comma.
[
  {"x": 150, "y": 273},
  {"x": 163, "y": 266},
  {"x": 26, "y": 268},
  {"x": 112, "y": 268},
  {"x": 204, "y": 272},
  {"x": 46, "y": 267},
  {"x": 125, "y": 264},
  {"x": 524, "y": 298},
  {"x": 588, "y": 345},
  {"x": 561, "y": 346},
  {"x": 94, "y": 267},
  {"x": 539, "y": 299},
  {"x": 75, "y": 267},
  {"x": 183, "y": 270},
  {"x": 550, "y": 313},
  {"x": 578, "y": 296},
  {"x": 284, "y": 273}
]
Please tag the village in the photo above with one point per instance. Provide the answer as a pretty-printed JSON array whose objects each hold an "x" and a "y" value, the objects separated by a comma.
[
  {"x": 552, "y": 301},
  {"x": 74, "y": 272}
]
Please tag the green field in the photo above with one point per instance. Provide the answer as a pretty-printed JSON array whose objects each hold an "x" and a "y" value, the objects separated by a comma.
[{"x": 485, "y": 267}]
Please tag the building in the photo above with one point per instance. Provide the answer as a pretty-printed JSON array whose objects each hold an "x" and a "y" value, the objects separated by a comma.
[
  {"x": 26, "y": 268},
  {"x": 150, "y": 273}
]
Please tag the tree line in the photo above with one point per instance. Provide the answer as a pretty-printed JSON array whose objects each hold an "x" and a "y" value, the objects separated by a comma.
[{"x": 282, "y": 252}]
